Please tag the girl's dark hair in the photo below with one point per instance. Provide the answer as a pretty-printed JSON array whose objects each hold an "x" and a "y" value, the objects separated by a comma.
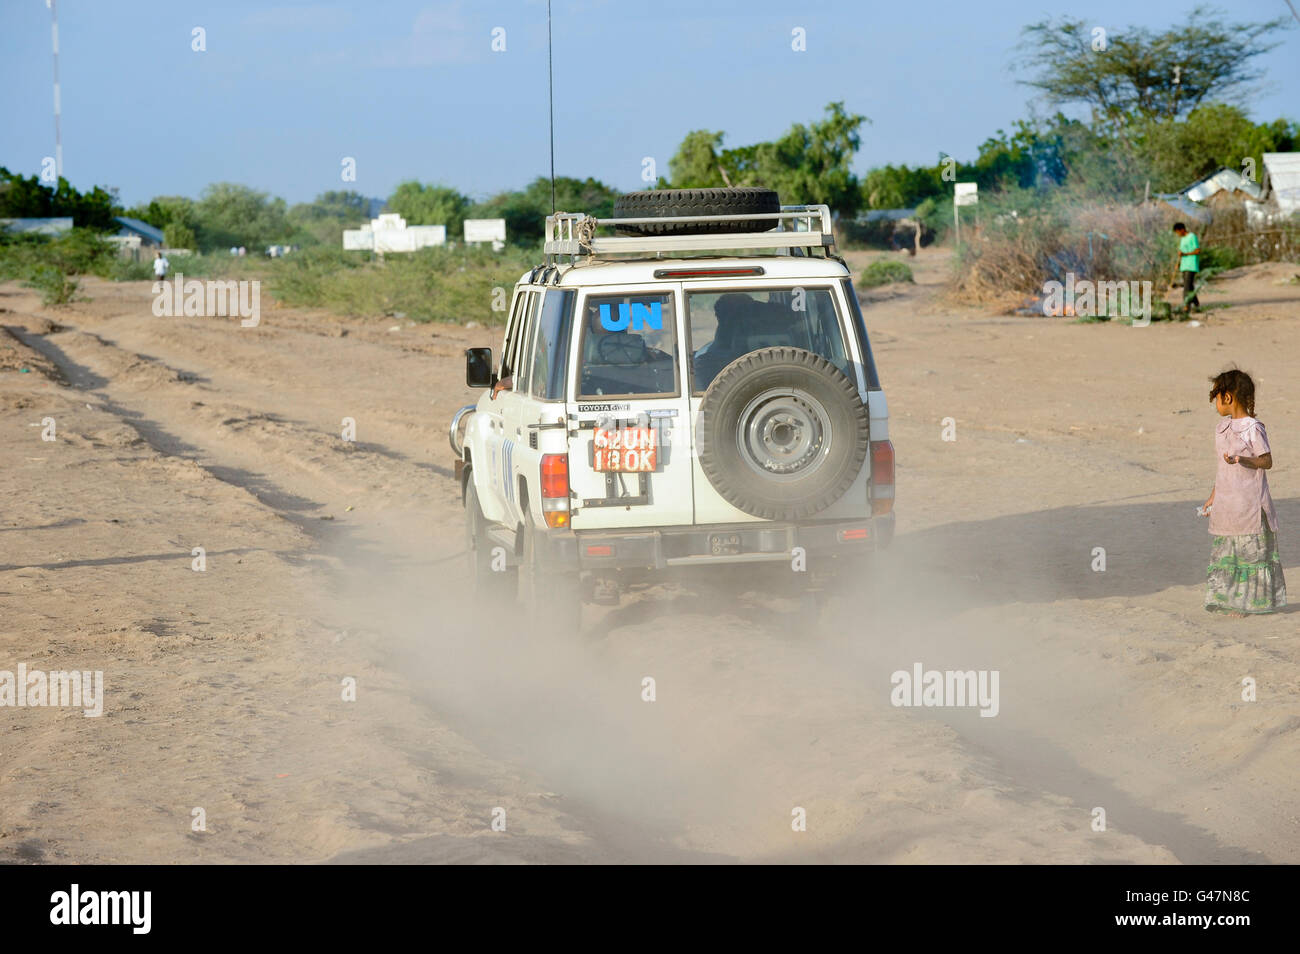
[{"x": 1236, "y": 383}]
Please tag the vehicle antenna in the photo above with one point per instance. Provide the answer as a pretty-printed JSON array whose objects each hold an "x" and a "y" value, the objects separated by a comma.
[{"x": 550, "y": 89}]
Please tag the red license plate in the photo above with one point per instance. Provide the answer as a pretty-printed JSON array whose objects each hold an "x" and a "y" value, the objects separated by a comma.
[{"x": 628, "y": 450}]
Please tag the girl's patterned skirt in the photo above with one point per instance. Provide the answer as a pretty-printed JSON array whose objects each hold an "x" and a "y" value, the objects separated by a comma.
[{"x": 1245, "y": 574}]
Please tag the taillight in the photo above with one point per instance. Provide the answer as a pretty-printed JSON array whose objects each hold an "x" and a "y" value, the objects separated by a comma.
[
  {"x": 555, "y": 489},
  {"x": 882, "y": 477}
]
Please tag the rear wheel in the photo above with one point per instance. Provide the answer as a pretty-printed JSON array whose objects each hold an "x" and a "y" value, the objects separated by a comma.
[
  {"x": 551, "y": 596},
  {"x": 812, "y": 604},
  {"x": 493, "y": 579}
]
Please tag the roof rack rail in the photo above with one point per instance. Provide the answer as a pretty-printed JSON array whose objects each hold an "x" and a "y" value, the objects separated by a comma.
[{"x": 574, "y": 233}]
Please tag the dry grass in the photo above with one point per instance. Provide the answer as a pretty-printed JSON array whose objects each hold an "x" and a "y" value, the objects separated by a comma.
[
  {"x": 1024, "y": 244},
  {"x": 1014, "y": 255}
]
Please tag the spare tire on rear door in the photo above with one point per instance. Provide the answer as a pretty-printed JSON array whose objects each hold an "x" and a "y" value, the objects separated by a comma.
[
  {"x": 782, "y": 433},
  {"x": 667, "y": 203}
]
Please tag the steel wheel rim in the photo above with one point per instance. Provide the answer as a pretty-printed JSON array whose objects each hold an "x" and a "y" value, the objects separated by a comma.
[{"x": 783, "y": 434}]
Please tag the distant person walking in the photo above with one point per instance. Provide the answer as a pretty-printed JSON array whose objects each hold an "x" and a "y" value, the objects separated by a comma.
[
  {"x": 1245, "y": 571},
  {"x": 1189, "y": 264},
  {"x": 160, "y": 266}
]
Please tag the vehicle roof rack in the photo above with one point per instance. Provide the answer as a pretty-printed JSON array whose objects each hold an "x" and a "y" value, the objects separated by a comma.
[{"x": 574, "y": 233}]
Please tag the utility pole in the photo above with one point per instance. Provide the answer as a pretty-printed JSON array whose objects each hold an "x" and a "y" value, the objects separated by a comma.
[{"x": 58, "y": 105}]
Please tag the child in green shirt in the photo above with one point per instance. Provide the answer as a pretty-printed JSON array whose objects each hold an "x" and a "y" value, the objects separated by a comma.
[{"x": 1189, "y": 264}]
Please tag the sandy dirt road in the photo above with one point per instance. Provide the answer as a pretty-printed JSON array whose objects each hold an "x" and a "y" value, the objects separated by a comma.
[{"x": 328, "y": 560}]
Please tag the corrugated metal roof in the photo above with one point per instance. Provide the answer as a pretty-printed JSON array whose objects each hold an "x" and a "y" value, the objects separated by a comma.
[
  {"x": 1284, "y": 176},
  {"x": 1224, "y": 179},
  {"x": 143, "y": 229},
  {"x": 1186, "y": 206}
]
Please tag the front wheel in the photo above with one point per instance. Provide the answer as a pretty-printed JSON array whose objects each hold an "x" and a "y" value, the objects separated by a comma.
[{"x": 493, "y": 579}]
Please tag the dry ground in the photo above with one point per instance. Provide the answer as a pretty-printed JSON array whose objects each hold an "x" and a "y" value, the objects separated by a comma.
[{"x": 327, "y": 560}]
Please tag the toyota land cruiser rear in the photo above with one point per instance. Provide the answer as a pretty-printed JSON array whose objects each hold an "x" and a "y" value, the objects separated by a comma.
[{"x": 651, "y": 413}]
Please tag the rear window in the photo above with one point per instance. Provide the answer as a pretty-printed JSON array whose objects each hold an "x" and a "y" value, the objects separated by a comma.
[
  {"x": 550, "y": 351},
  {"x": 629, "y": 346},
  {"x": 726, "y": 325}
]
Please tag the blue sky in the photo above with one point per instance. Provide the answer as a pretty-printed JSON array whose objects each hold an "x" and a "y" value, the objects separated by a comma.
[{"x": 412, "y": 88}]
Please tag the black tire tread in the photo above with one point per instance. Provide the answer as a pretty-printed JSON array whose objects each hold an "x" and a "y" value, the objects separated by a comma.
[
  {"x": 486, "y": 582},
  {"x": 674, "y": 202}
]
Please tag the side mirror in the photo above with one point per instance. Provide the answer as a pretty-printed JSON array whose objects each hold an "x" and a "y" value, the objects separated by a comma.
[{"x": 478, "y": 368}]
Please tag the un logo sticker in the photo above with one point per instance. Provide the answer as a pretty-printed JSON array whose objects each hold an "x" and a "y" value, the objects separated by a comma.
[{"x": 637, "y": 316}]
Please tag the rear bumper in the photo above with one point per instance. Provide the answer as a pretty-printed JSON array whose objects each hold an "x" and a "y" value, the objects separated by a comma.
[{"x": 663, "y": 547}]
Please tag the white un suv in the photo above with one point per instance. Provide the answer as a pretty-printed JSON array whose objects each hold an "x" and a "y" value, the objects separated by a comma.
[{"x": 695, "y": 391}]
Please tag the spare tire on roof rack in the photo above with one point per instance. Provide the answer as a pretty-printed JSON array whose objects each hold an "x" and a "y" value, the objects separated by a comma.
[{"x": 670, "y": 203}]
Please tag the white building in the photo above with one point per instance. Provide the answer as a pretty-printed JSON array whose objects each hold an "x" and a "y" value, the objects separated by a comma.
[
  {"x": 486, "y": 230},
  {"x": 390, "y": 233},
  {"x": 1283, "y": 170}
]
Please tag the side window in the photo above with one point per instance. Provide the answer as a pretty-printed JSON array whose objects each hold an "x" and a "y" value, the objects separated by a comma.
[
  {"x": 824, "y": 333},
  {"x": 510, "y": 347},
  {"x": 551, "y": 345},
  {"x": 527, "y": 329},
  {"x": 860, "y": 326},
  {"x": 629, "y": 346}
]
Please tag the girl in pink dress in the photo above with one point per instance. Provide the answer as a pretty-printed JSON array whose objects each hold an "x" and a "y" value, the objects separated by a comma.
[{"x": 1245, "y": 572}]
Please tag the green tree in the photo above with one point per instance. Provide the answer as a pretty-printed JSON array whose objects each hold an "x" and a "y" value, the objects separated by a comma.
[
  {"x": 25, "y": 197},
  {"x": 229, "y": 214},
  {"x": 1213, "y": 136},
  {"x": 901, "y": 187},
  {"x": 422, "y": 204},
  {"x": 1136, "y": 72},
  {"x": 1031, "y": 155},
  {"x": 809, "y": 164},
  {"x": 164, "y": 210},
  {"x": 525, "y": 211},
  {"x": 697, "y": 165},
  {"x": 179, "y": 235},
  {"x": 322, "y": 221}
]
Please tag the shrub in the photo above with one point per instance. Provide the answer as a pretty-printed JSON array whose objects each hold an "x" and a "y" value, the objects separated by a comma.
[
  {"x": 48, "y": 264},
  {"x": 433, "y": 284},
  {"x": 128, "y": 270},
  {"x": 883, "y": 271},
  {"x": 1029, "y": 238},
  {"x": 1221, "y": 258},
  {"x": 55, "y": 287}
]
